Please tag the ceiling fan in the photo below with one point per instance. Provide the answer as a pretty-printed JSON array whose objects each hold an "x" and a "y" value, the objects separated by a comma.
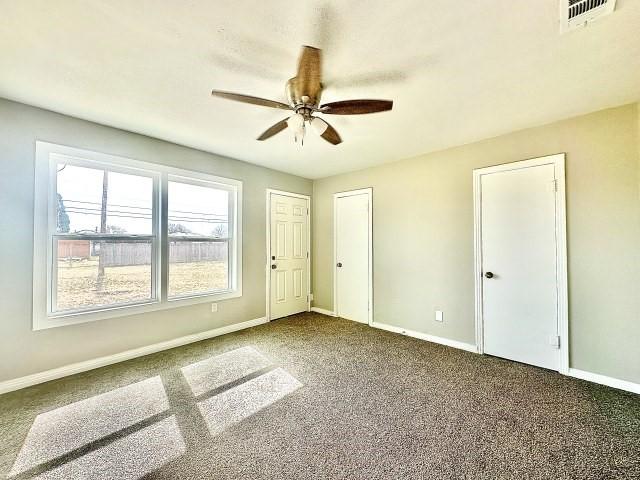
[{"x": 303, "y": 93}]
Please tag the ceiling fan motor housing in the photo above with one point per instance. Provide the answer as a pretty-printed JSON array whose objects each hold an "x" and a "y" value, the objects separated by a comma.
[{"x": 297, "y": 97}]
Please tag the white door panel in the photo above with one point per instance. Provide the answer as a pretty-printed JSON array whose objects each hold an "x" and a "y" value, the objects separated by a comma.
[
  {"x": 520, "y": 301},
  {"x": 288, "y": 257},
  {"x": 352, "y": 257}
]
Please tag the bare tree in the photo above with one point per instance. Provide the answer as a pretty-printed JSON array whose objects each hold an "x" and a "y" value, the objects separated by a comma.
[
  {"x": 220, "y": 230},
  {"x": 177, "y": 228}
]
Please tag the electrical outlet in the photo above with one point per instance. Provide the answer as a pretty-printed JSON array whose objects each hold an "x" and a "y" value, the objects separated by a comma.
[
  {"x": 214, "y": 307},
  {"x": 439, "y": 316}
]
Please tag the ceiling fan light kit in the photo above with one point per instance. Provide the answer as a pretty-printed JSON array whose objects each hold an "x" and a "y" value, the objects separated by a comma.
[
  {"x": 303, "y": 93},
  {"x": 296, "y": 125}
]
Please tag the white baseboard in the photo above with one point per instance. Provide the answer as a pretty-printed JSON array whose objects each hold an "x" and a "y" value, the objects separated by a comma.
[
  {"x": 425, "y": 336},
  {"x": 573, "y": 372},
  {"x": 41, "y": 377},
  {"x": 48, "y": 375},
  {"x": 323, "y": 311},
  {"x": 604, "y": 380}
]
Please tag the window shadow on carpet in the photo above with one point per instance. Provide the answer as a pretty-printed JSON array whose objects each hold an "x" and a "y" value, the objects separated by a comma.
[{"x": 133, "y": 430}]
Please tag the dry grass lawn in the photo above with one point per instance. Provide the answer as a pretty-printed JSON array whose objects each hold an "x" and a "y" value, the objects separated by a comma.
[{"x": 77, "y": 282}]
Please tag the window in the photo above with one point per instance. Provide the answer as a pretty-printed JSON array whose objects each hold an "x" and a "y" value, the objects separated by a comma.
[
  {"x": 198, "y": 229},
  {"x": 105, "y": 246}
]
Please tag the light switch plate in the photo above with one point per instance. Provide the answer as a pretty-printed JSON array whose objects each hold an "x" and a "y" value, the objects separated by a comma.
[
  {"x": 214, "y": 307},
  {"x": 439, "y": 316}
]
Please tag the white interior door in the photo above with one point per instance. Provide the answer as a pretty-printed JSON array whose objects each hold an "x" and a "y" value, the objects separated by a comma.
[
  {"x": 289, "y": 220},
  {"x": 352, "y": 254},
  {"x": 519, "y": 271}
]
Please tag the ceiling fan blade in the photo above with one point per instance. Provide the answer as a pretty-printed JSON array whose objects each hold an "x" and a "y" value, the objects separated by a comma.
[
  {"x": 356, "y": 107},
  {"x": 249, "y": 99},
  {"x": 331, "y": 136},
  {"x": 309, "y": 77},
  {"x": 271, "y": 131}
]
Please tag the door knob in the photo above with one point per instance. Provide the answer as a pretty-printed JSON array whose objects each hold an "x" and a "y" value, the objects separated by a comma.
[
  {"x": 339, "y": 264},
  {"x": 273, "y": 267},
  {"x": 488, "y": 275}
]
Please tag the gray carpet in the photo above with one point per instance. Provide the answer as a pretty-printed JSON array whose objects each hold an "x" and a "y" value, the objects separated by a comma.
[{"x": 310, "y": 397}]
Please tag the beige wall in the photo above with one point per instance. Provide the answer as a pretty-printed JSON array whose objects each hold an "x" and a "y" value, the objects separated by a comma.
[
  {"x": 23, "y": 351},
  {"x": 423, "y": 238},
  {"x": 423, "y": 235}
]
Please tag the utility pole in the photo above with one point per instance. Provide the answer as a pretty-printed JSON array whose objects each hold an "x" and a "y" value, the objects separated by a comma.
[{"x": 103, "y": 230}]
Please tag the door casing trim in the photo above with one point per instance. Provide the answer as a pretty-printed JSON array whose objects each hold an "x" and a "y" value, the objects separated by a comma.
[
  {"x": 558, "y": 160},
  {"x": 336, "y": 196},
  {"x": 267, "y": 267}
]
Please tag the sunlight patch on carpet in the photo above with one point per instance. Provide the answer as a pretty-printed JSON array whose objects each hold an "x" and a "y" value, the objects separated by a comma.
[
  {"x": 238, "y": 403},
  {"x": 128, "y": 458},
  {"x": 220, "y": 370},
  {"x": 65, "y": 429}
]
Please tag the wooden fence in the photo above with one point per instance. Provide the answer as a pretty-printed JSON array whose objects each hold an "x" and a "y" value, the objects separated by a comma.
[
  {"x": 73, "y": 249},
  {"x": 139, "y": 253}
]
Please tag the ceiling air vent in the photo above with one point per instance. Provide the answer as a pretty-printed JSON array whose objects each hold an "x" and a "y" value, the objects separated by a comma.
[{"x": 578, "y": 13}]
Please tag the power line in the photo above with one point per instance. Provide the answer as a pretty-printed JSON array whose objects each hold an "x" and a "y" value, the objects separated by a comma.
[
  {"x": 133, "y": 215},
  {"x": 79, "y": 209},
  {"x": 100, "y": 203},
  {"x": 109, "y": 212},
  {"x": 142, "y": 208}
]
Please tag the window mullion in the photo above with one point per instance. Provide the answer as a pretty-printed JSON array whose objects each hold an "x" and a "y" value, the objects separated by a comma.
[
  {"x": 156, "y": 244},
  {"x": 164, "y": 237}
]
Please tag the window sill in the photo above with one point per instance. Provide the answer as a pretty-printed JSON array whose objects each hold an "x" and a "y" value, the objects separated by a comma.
[{"x": 43, "y": 322}]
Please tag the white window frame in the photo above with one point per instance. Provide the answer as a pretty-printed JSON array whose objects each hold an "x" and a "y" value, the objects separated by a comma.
[
  {"x": 231, "y": 234},
  {"x": 52, "y": 263},
  {"x": 47, "y": 157}
]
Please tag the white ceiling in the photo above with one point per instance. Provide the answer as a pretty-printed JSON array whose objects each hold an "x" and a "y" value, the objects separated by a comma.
[{"x": 457, "y": 71}]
